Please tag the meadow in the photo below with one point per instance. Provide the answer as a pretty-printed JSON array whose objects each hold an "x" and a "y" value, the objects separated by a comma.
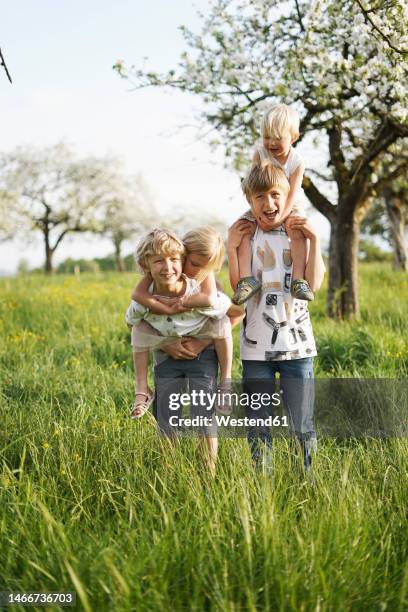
[{"x": 94, "y": 502}]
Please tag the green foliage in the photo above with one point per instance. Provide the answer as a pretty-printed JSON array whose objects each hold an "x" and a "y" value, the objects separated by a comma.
[
  {"x": 92, "y": 501},
  {"x": 103, "y": 264},
  {"x": 370, "y": 252}
]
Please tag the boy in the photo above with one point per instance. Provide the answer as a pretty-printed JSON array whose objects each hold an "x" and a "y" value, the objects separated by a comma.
[
  {"x": 276, "y": 335},
  {"x": 161, "y": 254}
]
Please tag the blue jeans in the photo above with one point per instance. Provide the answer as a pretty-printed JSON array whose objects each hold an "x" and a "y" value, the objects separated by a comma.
[
  {"x": 297, "y": 388},
  {"x": 175, "y": 376}
]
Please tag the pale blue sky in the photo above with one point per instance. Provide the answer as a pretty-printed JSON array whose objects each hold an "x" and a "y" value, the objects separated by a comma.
[{"x": 60, "y": 55}]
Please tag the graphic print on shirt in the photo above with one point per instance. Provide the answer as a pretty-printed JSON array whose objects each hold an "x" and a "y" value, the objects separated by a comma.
[{"x": 277, "y": 326}]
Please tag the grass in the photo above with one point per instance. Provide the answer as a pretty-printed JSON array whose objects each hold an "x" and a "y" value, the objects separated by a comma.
[{"x": 93, "y": 502}]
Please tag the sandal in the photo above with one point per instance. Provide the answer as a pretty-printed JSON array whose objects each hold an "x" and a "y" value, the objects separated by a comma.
[
  {"x": 300, "y": 290},
  {"x": 140, "y": 407},
  {"x": 246, "y": 288}
]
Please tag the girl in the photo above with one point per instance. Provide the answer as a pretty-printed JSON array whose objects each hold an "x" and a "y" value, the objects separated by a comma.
[
  {"x": 280, "y": 130},
  {"x": 204, "y": 254}
]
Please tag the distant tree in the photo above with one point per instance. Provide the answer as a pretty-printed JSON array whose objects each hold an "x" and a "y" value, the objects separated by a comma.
[
  {"x": 388, "y": 218},
  {"x": 329, "y": 61},
  {"x": 69, "y": 265},
  {"x": 396, "y": 204},
  {"x": 181, "y": 223},
  {"x": 23, "y": 268},
  {"x": 129, "y": 211},
  {"x": 52, "y": 192},
  {"x": 371, "y": 252}
]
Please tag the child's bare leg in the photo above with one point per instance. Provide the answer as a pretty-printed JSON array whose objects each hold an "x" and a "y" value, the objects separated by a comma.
[
  {"x": 210, "y": 450},
  {"x": 223, "y": 348},
  {"x": 142, "y": 391},
  {"x": 245, "y": 257},
  {"x": 248, "y": 284},
  {"x": 298, "y": 249},
  {"x": 140, "y": 363}
]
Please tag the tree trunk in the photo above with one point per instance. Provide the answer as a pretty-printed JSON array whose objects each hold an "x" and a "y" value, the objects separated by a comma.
[
  {"x": 49, "y": 252},
  {"x": 395, "y": 211},
  {"x": 342, "y": 297},
  {"x": 120, "y": 266}
]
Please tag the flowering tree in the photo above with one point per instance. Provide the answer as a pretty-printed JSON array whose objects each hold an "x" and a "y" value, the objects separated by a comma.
[
  {"x": 387, "y": 20},
  {"x": 128, "y": 211},
  {"x": 50, "y": 191},
  {"x": 345, "y": 75},
  {"x": 388, "y": 218}
]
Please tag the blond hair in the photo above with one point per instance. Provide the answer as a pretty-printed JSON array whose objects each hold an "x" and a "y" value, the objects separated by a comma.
[
  {"x": 279, "y": 120},
  {"x": 262, "y": 177},
  {"x": 158, "y": 242},
  {"x": 206, "y": 242}
]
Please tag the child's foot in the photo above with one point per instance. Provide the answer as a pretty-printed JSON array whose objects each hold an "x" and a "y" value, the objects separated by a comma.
[
  {"x": 246, "y": 288},
  {"x": 141, "y": 404},
  {"x": 309, "y": 448},
  {"x": 301, "y": 291}
]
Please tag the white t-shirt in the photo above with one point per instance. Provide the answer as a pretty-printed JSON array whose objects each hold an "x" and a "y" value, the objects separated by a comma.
[
  {"x": 277, "y": 326},
  {"x": 182, "y": 323}
]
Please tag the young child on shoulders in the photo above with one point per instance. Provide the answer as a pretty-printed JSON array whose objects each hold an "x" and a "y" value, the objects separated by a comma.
[
  {"x": 178, "y": 297},
  {"x": 279, "y": 130}
]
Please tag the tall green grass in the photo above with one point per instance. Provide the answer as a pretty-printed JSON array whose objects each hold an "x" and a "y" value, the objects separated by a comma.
[{"x": 93, "y": 502}]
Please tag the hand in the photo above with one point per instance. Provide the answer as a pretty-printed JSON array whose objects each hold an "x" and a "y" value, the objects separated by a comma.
[
  {"x": 167, "y": 301},
  {"x": 237, "y": 231},
  {"x": 303, "y": 225},
  {"x": 178, "y": 350},
  {"x": 195, "y": 345},
  {"x": 178, "y": 307}
]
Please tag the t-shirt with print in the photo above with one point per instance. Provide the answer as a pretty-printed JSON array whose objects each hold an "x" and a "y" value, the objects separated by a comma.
[{"x": 277, "y": 326}]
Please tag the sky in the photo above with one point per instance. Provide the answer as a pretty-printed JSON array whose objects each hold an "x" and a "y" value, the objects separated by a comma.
[{"x": 60, "y": 56}]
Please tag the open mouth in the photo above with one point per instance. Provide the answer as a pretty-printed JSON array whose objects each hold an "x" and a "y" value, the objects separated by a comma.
[{"x": 271, "y": 215}]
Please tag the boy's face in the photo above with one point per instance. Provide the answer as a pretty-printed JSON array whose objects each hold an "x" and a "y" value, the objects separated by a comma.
[
  {"x": 165, "y": 270},
  {"x": 268, "y": 207}
]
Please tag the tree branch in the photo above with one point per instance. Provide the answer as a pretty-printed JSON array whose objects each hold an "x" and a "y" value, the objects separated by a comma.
[
  {"x": 67, "y": 231},
  {"x": 386, "y": 136},
  {"x": 302, "y": 27},
  {"x": 366, "y": 14},
  {"x": 3, "y": 63},
  {"x": 319, "y": 201},
  {"x": 389, "y": 178},
  {"x": 320, "y": 175},
  {"x": 337, "y": 158}
]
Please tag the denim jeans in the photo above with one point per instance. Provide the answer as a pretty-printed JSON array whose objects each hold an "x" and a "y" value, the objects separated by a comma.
[
  {"x": 297, "y": 389},
  {"x": 175, "y": 376}
]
